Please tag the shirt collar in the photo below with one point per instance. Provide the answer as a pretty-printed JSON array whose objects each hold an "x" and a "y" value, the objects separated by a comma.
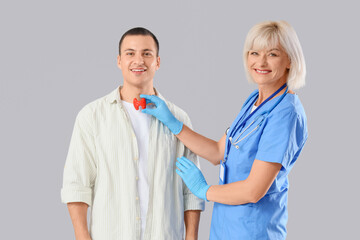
[{"x": 114, "y": 96}]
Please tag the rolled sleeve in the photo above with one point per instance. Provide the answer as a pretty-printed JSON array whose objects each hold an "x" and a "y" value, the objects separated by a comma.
[
  {"x": 76, "y": 194},
  {"x": 191, "y": 202},
  {"x": 80, "y": 166}
]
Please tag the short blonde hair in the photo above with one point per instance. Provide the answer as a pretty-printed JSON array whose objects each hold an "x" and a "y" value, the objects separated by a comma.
[{"x": 271, "y": 33}]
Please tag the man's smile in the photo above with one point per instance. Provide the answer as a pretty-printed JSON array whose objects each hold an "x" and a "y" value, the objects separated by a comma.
[{"x": 138, "y": 70}]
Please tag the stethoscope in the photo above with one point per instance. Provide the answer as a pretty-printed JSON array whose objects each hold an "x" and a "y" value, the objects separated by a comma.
[{"x": 262, "y": 117}]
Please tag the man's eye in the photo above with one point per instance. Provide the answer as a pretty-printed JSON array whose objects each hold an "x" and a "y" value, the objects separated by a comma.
[
  {"x": 147, "y": 54},
  {"x": 129, "y": 53}
]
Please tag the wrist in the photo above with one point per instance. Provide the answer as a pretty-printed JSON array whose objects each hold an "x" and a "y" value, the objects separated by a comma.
[
  {"x": 187, "y": 237},
  {"x": 176, "y": 126},
  {"x": 191, "y": 234},
  {"x": 206, "y": 191},
  {"x": 83, "y": 235}
]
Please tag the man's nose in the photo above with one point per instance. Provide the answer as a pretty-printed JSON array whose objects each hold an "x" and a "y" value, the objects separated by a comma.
[{"x": 139, "y": 59}]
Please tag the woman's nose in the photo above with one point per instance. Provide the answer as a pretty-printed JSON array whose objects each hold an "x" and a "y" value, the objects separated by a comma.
[{"x": 263, "y": 61}]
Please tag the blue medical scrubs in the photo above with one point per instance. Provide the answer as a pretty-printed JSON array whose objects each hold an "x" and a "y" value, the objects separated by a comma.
[{"x": 279, "y": 139}]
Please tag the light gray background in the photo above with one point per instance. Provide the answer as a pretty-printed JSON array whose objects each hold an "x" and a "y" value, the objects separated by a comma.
[{"x": 56, "y": 56}]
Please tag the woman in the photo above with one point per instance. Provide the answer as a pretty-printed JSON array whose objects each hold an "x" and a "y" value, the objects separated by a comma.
[{"x": 261, "y": 146}]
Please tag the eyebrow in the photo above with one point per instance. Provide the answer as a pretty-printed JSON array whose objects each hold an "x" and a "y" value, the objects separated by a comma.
[
  {"x": 274, "y": 49},
  {"x": 254, "y": 50},
  {"x": 145, "y": 50}
]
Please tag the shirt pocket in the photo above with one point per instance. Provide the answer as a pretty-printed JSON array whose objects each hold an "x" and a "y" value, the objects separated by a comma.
[
  {"x": 250, "y": 135},
  {"x": 241, "y": 221},
  {"x": 163, "y": 147}
]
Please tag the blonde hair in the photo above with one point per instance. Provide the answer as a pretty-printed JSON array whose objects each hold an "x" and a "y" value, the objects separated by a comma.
[{"x": 271, "y": 33}]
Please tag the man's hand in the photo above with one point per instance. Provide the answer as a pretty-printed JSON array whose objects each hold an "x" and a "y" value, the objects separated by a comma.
[{"x": 162, "y": 113}]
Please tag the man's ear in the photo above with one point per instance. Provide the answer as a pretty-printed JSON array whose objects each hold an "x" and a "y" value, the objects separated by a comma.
[
  {"x": 119, "y": 61},
  {"x": 157, "y": 63}
]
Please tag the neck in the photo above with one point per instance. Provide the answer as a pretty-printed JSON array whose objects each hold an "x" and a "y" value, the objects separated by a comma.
[
  {"x": 267, "y": 90},
  {"x": 129, "y": 92}
]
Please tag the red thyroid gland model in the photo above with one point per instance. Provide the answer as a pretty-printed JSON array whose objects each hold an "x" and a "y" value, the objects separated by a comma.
[{"x": 141, "y": 103}]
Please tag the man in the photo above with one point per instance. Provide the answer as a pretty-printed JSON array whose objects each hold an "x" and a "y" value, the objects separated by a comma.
[{"x": 121, "y": 162}]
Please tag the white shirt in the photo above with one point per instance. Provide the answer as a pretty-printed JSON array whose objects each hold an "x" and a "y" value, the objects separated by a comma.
[
  {"x": 141, "y": 125},
  {"x": 102, "y": 166},
  {"x": 253, "y": 108}
]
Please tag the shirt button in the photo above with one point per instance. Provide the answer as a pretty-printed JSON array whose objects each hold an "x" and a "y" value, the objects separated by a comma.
[
  {"x": 136, "y": 158},
  {"x": 137, "y": 198},
  {"x": 137, "y": 178},
  {"x": 137, "y": 218}
]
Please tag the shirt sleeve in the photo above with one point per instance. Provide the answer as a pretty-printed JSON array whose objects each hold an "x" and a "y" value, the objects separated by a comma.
[
  {"x": 282, "y": 139},
  {"x": 80, "y": 166},
  {"x": 191, "y": 202}
]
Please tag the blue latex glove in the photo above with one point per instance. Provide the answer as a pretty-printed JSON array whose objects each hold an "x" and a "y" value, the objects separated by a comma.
[
  {"x": 192, "y": 177},
  {"x": 162, "y": 113}
]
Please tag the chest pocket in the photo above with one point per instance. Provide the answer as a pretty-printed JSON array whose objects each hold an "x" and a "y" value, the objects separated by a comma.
[
  {"x": 249, "y": 133},
  {"x": 242, "y": 154},
  {"x": 162, "y": 146}
]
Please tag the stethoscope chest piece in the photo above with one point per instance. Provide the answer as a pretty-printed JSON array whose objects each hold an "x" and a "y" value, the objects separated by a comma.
[{"x": 236, "y": 146}]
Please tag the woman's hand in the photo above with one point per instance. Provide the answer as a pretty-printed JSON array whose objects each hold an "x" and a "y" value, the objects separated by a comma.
[
  {"x": 192, "y": 177},
  {"x": 200, "y": 145},
  {"x": 162, "y": 113}
]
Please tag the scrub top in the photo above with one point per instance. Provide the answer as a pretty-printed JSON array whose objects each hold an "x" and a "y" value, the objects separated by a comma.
[{"x": 279, "y": 139}]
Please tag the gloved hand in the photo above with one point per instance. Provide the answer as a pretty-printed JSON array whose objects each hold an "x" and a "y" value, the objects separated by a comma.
[
  {"x": 162, "y": 113},
  {"x": 192, "y": 177}
]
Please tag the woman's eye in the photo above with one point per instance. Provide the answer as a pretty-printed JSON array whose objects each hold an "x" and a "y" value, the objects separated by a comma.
[
  {"x": 254, "y": 53},
  {"x": 273, "y": 54}
]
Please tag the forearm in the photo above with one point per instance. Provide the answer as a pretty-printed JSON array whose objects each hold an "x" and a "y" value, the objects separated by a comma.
[
  {"x": 204, "y": 147},
  {"x": 232, "y": 194},
  {"x": 250, "y": 190},
  {"x": 78, "y": 214},
  {"x": 191, "y": 219}
]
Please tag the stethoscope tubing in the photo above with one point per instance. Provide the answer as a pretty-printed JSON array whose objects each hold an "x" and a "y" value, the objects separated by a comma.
[{"x": 263, "y": 115}]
